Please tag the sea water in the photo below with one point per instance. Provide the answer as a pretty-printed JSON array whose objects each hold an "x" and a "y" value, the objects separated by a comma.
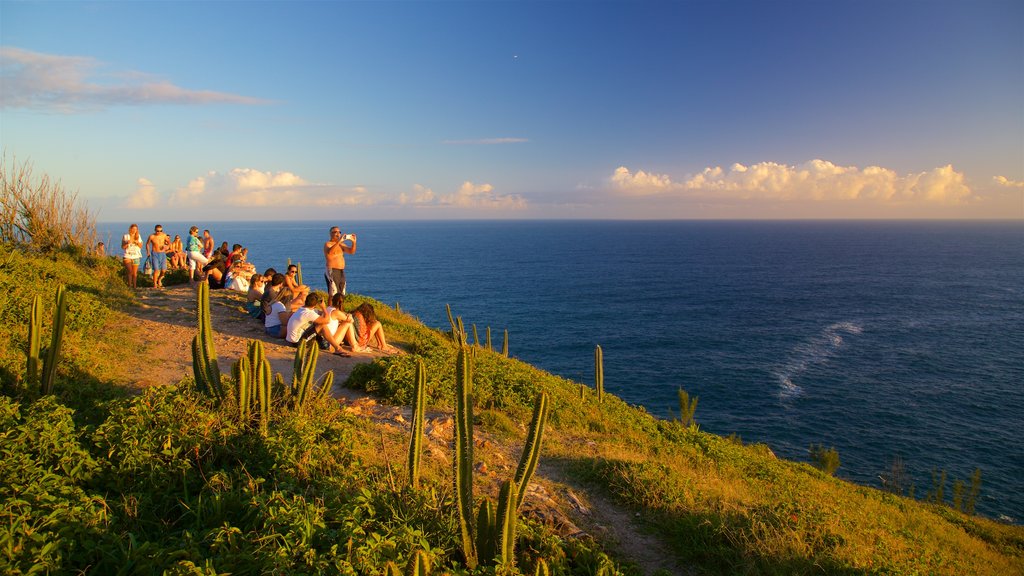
[{"x": 880, "y": 339}]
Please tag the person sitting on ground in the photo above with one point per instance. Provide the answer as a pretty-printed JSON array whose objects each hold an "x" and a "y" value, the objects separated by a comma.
[
  {"x": 101, "y": 250},
  {"x": 341, "y": 327},
  {"x": 239, "y": 274},
  {"x": 253, "y": 296},
  {"x": 277, "y": 318},
  {"x": 370, "y": 329},
  {"x": 177, "y": 253},
  {"x": 216, "y": 270},
  {"x": 236, "y": 252},
  {"x": 270, "y": 291},
  {"x": 255, "y": 293},
  {"x": 308, "y": 322},
  {"x": 290, "y": 275}
]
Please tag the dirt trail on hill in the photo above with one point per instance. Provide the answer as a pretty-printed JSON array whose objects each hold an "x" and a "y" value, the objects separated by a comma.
[{"x": 165, "y": 322}]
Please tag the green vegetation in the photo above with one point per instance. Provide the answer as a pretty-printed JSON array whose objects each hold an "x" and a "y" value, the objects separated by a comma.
[
  {"x": 824, "y": 459},
  {"x": 98, "y": 478},
  {"x": 687, "y": 408}
]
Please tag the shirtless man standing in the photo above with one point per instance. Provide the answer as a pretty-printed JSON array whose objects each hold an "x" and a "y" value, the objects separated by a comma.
[
  {"x": 334, "y": 252},
  {"x": 156, "y": 246}
]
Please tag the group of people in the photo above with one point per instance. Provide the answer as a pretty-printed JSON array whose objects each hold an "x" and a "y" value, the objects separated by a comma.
[
  {"x": 288, "y": 309},
  {"x": 221, "y": 267},
  {"x": 291, "y": 311}
]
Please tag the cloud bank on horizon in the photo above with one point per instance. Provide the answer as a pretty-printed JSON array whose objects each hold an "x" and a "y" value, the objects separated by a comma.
[
  {"x": 816, "y": 180},
  {"x": 246, "y": 190}
]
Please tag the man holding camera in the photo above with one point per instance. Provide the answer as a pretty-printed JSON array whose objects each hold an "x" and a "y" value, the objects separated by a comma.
[{"x": 334, "y": 252}]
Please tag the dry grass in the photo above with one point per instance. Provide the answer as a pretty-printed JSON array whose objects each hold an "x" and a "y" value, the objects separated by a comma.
[{"x": 40, "y": 214}]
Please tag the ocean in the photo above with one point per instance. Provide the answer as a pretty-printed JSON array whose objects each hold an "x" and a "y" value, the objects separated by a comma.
[{"x": 879, "y": 338}]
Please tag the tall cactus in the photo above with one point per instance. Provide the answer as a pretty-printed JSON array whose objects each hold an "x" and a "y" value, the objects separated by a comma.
[
  {"x": 463, "y": 460},
  {"x": 489, "y": 346},
  {"x": 463, "y": 335},
  {"x": 204, "y": 355},
  {"x": 418, "y": 409},
  {"x": 476, "y": 336},
  {"x": 541, "y": 568},
  {"x": 504, "y": 345},
  {"x": 486, "y": 532},
  {"x": 599, "y": 373},
  {"x": 451, "y": 320},
  {"x": 505, "y": 523},
  {"x": 56, "y": 338},
  {"x": 263, "y": 391},
  {"x": 306, "y": 356},
  {"x": 298, "y": 273},
  {"x": 326, "y": 385},
  {"x": 531, "y": 451},
  {"x": 35, "y": 329},
  {"x": 243, "y": 386}
]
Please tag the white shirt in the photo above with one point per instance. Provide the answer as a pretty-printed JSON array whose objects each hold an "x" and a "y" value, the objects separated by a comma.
[
  {"x": 273, "y": 319},
  {"x": 298, "y": 323}
]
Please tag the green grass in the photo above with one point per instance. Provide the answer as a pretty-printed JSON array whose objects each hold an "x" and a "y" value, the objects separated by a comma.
[{"x": 99, "y": 479}]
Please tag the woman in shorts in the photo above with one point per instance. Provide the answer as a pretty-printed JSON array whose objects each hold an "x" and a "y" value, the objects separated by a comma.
[
  {"x": 196, "y": 259},
  {"x": 131, "y": 243}
]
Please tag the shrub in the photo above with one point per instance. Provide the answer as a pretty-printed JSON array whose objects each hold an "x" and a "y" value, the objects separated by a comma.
[
  {"x": 38, "y": 213},
  {"x": 825, "y": 459}
]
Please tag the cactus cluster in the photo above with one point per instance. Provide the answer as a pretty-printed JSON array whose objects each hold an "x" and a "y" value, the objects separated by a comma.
[
  {"x": 492, "y": 539},
  {"x": 461, "y": 337},
  {"x": 252, "y": 385},
  {"x": 42, "y": 368},
  {"x": 303, "y": 381}
]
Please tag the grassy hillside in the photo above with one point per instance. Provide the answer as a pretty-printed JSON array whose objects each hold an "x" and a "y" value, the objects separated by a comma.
[{"x": 101, "y": 479}]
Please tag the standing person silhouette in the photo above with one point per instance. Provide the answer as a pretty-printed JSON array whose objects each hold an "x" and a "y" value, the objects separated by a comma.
[{"x": 334, "y": 253}]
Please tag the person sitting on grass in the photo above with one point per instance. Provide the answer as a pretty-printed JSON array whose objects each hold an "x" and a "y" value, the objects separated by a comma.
[
  {"x": 370, "y": 330},
  {"x": 340, "y": 328},
  {"x": 308, "y": 322}
]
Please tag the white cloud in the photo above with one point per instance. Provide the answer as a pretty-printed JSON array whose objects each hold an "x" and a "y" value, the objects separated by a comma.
[
  {"x": 421, "y": 195},
  {"x": 250, "y": 188},
  {"x": 471, "y": 195},
  {"x": 1007, "y": 183},
  {"x": 76, "y": 84},
  {"x": 145, "y": 195},
  {"x": 817, "y": 180}
]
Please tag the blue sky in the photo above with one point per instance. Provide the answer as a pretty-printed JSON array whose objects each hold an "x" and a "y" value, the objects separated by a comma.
[{"x": 369, "y": 110}]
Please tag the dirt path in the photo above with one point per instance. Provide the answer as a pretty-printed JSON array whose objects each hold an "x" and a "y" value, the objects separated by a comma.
[{"x": 167, "y": 322}]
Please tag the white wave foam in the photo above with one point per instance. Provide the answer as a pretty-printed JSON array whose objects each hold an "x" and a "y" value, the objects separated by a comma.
[{"x": 816, "y": 350}]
